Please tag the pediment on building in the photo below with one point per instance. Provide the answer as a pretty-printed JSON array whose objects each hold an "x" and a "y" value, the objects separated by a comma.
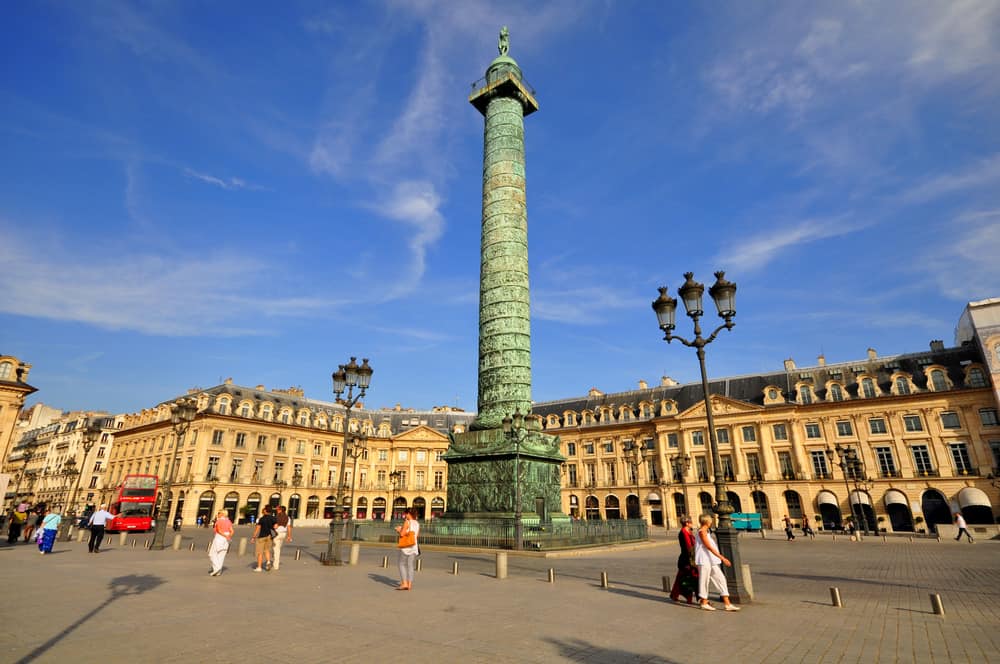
[
  {"x": 720, "y": 406},
  {"x": 421, "y": 434}
]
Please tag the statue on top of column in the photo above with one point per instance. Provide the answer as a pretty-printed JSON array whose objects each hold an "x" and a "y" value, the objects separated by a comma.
[{"x": 504, "y": 43}]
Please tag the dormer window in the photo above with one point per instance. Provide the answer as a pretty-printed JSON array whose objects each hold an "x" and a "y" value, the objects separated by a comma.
[
  {"x": 868, "y": 388},
  {"x": 6, "y": 370},
  {"x": 224, "y": 407},
  {"x": 245, "y": 410},
  {"x": 836, "y": 392},
  {"x": 976, "y": 378},
  {"x": 805, "y": 394},
  {"x": 938, "y": 381},
  {"x": 902, "y": 385}
]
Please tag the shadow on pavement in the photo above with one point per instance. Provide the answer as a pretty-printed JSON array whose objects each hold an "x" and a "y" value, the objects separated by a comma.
[
  {"x": 384, "y": 580},
  {"x": 122, "y": 586},
  {"x": 578, "y": 650}
]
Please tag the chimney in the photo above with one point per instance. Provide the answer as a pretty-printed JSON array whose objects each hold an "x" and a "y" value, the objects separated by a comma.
[
  {"x": 594, "y": 392},
  {"x": 821, "y": 360},
  {"x": 667, "y": 381},
  {"x": 643, "y": 385},
  {"x": 937, "y": 345},
  {"x": 872, "y": 354},
  {"x": 229, "y": 381},
  {"x": 789, "y": 364},
  {"x": 260, "y": 388}
]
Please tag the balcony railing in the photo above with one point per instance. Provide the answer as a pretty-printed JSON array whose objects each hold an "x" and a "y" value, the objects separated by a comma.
[
  {"x": 928, "y": 472},
  {"x": 890, "y": 473},
  {"x": 823, "y": 476}
]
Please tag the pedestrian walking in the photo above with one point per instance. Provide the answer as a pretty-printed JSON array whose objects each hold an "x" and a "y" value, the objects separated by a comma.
[
  {"x": 18, "y": 518},
  {"x": 284, "y": 529},
  {"x": 98, "y": 522},
  {"x": 789, "y": 535},
  {"x": 807, "y": 530},
  {"x": 49, "y": 526},
  {"x": 263, "y": 533},
  {"x": 408, "y": 548},
  {"x": 962, "y": 527},
  {"x": 710, "y": 561},
  {"x": 32, "y": 521},
  {"x": 220, "y": 542},
  {"x": 686, "y": 581}
]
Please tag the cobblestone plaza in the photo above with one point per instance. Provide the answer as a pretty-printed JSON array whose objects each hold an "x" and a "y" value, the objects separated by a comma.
[{"x": 127, "y": 604}]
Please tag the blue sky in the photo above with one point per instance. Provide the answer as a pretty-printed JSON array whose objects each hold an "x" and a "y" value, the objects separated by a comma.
[{"x": 192, "y": 191}]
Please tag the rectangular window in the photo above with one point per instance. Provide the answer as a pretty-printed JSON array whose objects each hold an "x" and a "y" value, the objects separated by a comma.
[
  {"x": 217, "y": 437},
  {"x": 877, "y": 425},
  {"x": 805, "y": 395},
  {"x": 279, "y": 469},
  {"x": 794, "y": 505},
  {"x": 995, "y": 450},
  {"x": 300, "y": 447},
  {"x": 611, "y": 473},
  {"x": 571, "y": 471},
  {"x": 722, "y": 436},
  {"x": 922, "y": 460},
  {"x": 651, "y": 473},
  {"x": 697, "y": 437},
  {"x": 213, "y": 468},
  {"x": 672, "y": 440},
  {"x": 570, "y": 449},
  {"x": 282, "y": 444},
  {"x": 419, "y": 476},
  {"x": 317, "y": 449},
  {"x": 701, "y": 466},
  {"x": 913, "y": 423},
  {"x": 261, "y": 442},
  {"x": 234, "y": 472},
  {"x": 753, "y": 466},
  {"x": 960, "y": 457},
  {"x": 844, "y": 428},
  {"x": 241, "y": 440},
  {"x": 949, "y": 420},
  {"x": 780, "y": 432},
  {"x": 820, "y": 469},
  {"x": 609, "y": 447},
  {"x": 588, "y": 448},
  {"x": 438, "y": 479},
  {"x": 749, "y": 434},
  {"x": 988, "y": 416},
  {"x": 258, "y": 471},
  {"x": 93, "y": 482},
  {"x": 727, "y": 467},
  {"x": 812, "y": 430},
  {"x": 404, "y": 455},
  {"x": 421, "y": 456},
  {"x": 785, "y": 464},
  {"x": 886, "y": 462},
  {"x": 383, "y": 455},
  {"x": 439, "y": 455},
  {"x": 591, "y": 475}
]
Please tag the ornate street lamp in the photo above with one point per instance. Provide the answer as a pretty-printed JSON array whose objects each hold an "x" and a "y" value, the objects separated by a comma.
[
  {"x": 723, "y": 293},
  {"x": 635, "y": 454},
  {"x": 90, "y": 436},
  {"x": 347, "y": 377},
  {"x": 394, "y": 478},
  {"x": 513, "y": 429},
  {"x": 182, "y": 413},
  {"x": 849, "y": 464}
]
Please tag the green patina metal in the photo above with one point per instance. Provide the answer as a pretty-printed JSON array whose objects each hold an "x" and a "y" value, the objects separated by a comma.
[{"x": 484, "y": 462}]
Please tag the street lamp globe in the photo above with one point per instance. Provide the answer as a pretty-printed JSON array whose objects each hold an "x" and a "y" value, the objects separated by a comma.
[
  {"x": 724, "y": 294},
  {"x": 666, "y": 310},
  {"x": 691, "y": 292}
]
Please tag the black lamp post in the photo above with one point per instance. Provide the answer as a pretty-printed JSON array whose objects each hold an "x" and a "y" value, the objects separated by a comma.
[
  {"x": 66, "y": 475},
  {"x": 394, "y": 478},
  {"x": 513, "y": 428},
  {"x": 635, "y": 454},
  {"x": 359, "y": 443},
  {"x": 182, "y": 413},
  {"x": 348, "y": 376},
  {"x": 90, "y": 436},
  {"x": 296, "y": 483},
  {"x": 724, "y": 294},
  {"x": 848, "y": 461}
]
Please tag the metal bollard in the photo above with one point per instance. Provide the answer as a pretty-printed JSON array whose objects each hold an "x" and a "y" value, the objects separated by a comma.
[
  {"x": 298, "y": 552},
  {"x": 936, "y": 605},
  {"x": 241, "y": 550},
  {"x": 122, "y": 539},
  {"x": 420, "y": 565},
  {"x": 763, "y": 535},
  {"x": 192, "y": 546},
  {"x": 501, "y": 565},
  {"x": 604, "y": 580},
  {"x": 145, "y": 544},
  {"x": 938, "y": 538},
  {"x": 177, "y": 542},
  {"x": 385, "y": 562},
  {"x": 133, "y": 542},
  {"x": 552, "y": 575},
  {"x": 80, "y": 536},
  {"x": 835, "y": 597},
  {"x": 884, "y": 540},
  {"x": 666, "y": 584},
  {"x": 454, "y": 567},
  {"x": 910, "y": 538},
  {"x": 355, "y": 553},
  {"x": 208, "y": 549}
]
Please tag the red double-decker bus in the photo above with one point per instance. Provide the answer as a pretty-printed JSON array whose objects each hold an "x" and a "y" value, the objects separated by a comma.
[{"x": 135, "y": 499}]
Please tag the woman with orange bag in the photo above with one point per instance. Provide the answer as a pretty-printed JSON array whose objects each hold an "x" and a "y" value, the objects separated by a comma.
[{"x": 408, "y": 549}]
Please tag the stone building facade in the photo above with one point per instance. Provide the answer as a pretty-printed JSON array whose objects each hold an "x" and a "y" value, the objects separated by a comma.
[
  {"x": 924, "y": 426},
  {"x": 250, "y": 446}
]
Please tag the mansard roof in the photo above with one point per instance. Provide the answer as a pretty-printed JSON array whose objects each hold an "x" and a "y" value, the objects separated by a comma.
[{"x": 750, "y": 388}]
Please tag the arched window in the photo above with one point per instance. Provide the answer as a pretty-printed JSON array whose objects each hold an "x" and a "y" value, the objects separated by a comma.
[
  {"x": 224, "y": 406},
  {"x": 805, "y": 395},
  {"x": 938, "y": 381},
  {"x": 836, "y": 393},
  {"x": 902, "y": 385},
  {"x": 245, "y": 410},
  {"x": 6, "y": 369},
  {"x": 976, "y": 377}
]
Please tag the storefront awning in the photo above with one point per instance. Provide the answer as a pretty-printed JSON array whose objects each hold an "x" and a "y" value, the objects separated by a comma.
[
  {"x": 970, "y": 496},
  {"x": 826, "y": 498},
  {"x": 860, "y": 498},
  {"x": 895, "y": 497}
]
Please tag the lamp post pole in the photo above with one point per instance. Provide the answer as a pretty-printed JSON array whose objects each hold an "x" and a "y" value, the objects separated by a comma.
[
  {"x": 347, "y": 376},
  {"x": 90, "y": 436},
  {"x": 393, "y": 482},
  {"x": 635, "y": 454},
  {"x": 182, "y": 413},
  {"x": 846, "y": 460},
  {"x": 296, "y": 483},
  {"x": 723, "y": 292}
]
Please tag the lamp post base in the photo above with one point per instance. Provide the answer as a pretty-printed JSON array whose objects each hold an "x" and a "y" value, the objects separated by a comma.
[{"x": 729, "y": 546}]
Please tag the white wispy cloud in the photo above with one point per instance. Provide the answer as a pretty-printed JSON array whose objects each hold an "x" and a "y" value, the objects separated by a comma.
[
  {"x": 152, "y": 294},
  {"x": 964, "y": 264},
  {"x": 755, "y": 252},
  {"x": 983, "y": 173},
  {"x": 230, "y": 184},
  {"x": 563, "y": 305}
]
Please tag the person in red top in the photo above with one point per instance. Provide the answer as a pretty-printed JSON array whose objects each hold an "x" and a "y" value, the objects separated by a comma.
[
  {"x": 220, "y": 543},
  {"x": 686, "y": 582}
]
